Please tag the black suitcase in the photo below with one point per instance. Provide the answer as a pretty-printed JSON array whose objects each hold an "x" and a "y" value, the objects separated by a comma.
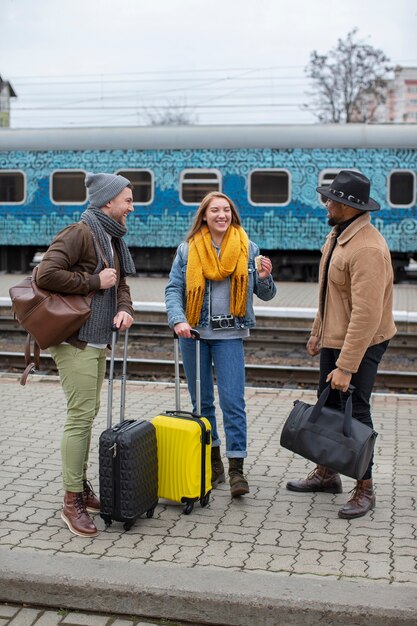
[{"x": 128, "y": 460}]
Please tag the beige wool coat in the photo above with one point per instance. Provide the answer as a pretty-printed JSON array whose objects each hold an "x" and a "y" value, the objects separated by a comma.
[{"x": 356, "y": 310}]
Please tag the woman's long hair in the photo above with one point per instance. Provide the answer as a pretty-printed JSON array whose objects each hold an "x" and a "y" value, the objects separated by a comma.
[{"x": 201, "y": 211}]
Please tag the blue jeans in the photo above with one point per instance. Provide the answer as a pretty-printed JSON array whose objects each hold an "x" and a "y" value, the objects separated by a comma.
[
  {"x": 363, "y": 381},
  {"x": 227, "y": 356}
]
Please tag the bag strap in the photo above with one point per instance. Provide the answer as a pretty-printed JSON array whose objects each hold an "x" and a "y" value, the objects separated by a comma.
[
  {"x": 32, "y": 364},
  {"x": 103, "y": 258},
  {"x": 347, "y": 422}
]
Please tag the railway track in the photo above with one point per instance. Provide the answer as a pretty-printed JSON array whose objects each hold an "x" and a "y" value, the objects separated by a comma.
[
  {"x": 267, "y": 336},
  {"x": 256, "y": 374},
  {"x": 275, "y": 354}
]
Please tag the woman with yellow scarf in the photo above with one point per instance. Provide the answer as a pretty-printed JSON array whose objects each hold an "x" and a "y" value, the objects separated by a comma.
[{"x": 213, "y": 278}]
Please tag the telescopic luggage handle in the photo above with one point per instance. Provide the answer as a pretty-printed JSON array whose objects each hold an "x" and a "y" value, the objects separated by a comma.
[
  {"x": 115, "y": 335},
  {"x": 196, "y": 336}
]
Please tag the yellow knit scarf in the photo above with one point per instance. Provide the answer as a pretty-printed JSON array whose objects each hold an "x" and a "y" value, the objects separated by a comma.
[{"x": 204, "y": 264}]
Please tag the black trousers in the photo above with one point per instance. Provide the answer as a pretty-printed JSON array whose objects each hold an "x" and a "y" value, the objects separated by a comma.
[{"x": 363, "y": 381}]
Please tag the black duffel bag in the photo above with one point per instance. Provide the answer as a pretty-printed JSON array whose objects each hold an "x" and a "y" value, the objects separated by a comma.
[{"x": 329, "y": 437}]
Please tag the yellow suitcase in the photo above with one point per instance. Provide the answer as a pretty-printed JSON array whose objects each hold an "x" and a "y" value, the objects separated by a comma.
[{"x": 184, "y": 447}]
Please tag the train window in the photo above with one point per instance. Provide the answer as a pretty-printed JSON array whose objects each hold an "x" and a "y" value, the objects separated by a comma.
[
  {"x": 325, "y": 178},
  {"x": 195, "y": 184},
  {"x": 68, "y": 187},
  {"x": 12, "y": 187},
  {"x": 142, "y": 182},
  {"x": 269, "y": 187},
  {"x": 402, "y": 188}
]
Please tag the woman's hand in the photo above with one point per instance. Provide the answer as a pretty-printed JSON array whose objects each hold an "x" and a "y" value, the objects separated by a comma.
[
  {"x": 266, "y": 267},
  {"x": 183, "y": 329}
]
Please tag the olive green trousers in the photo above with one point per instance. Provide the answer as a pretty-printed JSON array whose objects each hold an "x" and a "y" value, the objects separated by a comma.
[{"x": 81, "y": 373}]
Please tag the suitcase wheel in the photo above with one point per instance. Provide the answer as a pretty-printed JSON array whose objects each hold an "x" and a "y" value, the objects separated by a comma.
[
  {"x": 127, "y": 525},
  {"x": 150, "y": 513},
  {"x": 188, "y": 508},
  {"x": 107, "y": 520},
  {"x": 204, "y": 501}
]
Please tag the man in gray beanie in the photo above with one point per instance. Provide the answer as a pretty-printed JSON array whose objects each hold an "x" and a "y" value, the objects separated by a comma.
[
  {"x": 104, "y": 187},
  {"x": 89, "y": 257}
]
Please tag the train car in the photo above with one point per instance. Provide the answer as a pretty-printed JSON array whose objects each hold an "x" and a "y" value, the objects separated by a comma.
[{"x": 271, "y": 171}]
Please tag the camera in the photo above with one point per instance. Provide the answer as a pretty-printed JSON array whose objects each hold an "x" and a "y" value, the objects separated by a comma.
[{"x": 220, "y": 322}]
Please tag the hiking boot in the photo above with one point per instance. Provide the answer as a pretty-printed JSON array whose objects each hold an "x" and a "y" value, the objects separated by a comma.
[
  {"x": 217, "y": 468},
  {"x": 320, "y": 479},
  {"x": 238, "y": 483},
  {"x": 75, "y": 515},
  {"x": 362, "y": 500},
  {"x": 91, "y": 501}
]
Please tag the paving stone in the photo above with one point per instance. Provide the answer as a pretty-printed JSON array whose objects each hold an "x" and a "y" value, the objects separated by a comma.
[
  {"x": 8, "y": 610},
  {"x": 49, "y": 618},
  {"x": 25, "y": 617},
  {"x": 85, "y": 619}
]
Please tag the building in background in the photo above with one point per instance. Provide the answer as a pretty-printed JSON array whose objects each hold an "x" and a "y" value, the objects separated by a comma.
[
  {"x": 401, "y": 104},
  {"x": 6, "y": 92}
]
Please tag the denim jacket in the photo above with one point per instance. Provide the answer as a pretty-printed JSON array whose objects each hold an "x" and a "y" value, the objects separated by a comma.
[{"x": 175, "y": 292}]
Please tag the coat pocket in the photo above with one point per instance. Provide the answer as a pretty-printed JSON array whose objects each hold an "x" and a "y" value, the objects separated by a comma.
[{"x": 337, "y": 271}]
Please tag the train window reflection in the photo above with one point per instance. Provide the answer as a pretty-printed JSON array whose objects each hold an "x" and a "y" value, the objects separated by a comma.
[
  {"x": 142, "y": 182},
  {"x": 68, "y": 187},
  {"x": 12, "y": 187},
  {"x": 269, "y": 187},
  {"x": 195, "y": 184},
  {"x": 402, "y": 188}
]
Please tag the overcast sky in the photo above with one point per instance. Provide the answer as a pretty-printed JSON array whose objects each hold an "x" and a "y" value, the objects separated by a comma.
[{"x": 101, "y": 62}]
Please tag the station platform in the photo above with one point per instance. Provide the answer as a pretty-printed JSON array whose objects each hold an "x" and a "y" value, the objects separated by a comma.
[{"x": 271, "y": 558}]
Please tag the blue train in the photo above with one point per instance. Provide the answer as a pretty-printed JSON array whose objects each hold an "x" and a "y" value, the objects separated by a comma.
[{"x": 271, "y": 171}]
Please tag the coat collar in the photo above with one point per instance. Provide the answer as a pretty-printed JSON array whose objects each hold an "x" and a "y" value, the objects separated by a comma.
[{"x": 352, "y": 229}]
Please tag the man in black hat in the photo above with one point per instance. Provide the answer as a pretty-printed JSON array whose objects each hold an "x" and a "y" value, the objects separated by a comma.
[{"x": 354, "y": 322}]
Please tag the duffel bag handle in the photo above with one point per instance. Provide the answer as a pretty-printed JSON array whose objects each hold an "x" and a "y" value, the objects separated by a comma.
[{"x": 347, "y": 422}]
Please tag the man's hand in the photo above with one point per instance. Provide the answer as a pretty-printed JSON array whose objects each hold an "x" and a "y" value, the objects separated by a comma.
[
  {"x": 313, "y": 346},
  {"x": 122, "y": 320},
  {"x": 339, "y": 379},
  {"x": 183, "y": 329},
  {"x": 108, "y": 278}
]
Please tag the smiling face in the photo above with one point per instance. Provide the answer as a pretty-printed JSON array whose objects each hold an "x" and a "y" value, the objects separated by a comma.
[
  {"x": 218, "y": 217},
  {"x": 120, "y": 206}
]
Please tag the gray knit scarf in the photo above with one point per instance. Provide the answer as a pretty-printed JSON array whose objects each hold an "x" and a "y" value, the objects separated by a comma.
[{"x": 97, "y": 328}]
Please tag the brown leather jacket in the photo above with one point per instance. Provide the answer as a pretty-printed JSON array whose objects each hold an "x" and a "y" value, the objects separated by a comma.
[
  {"x": 358, "y": 300},
  {"x": 68, "y": 267}
]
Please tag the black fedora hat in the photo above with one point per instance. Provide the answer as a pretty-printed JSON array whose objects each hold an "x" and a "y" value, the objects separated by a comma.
[{"x": 351, "y": 188}]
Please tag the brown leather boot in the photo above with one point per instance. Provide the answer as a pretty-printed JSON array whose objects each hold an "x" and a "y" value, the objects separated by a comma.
[
  {"x": 238, "y": 483},
  {"x": 91, "y": 501},
  {"x": 362, "y": 500},
  {"x": 320, "y": 479},
  {"x": 75, "y": 515},
  {"x": 217, "y": 468}
]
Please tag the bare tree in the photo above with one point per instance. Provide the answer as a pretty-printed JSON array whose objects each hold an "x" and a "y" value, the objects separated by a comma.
[
  {"x": 170, "y": 115},
  {"x": 350, "y": 81}
]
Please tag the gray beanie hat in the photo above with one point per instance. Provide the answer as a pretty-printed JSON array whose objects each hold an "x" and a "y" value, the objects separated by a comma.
[{"x": 104, "y": 187}]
